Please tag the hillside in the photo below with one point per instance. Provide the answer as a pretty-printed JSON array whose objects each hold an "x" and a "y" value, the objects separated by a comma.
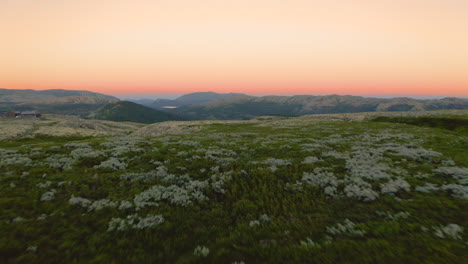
[
  {"x": 242, "y": 107},
  {"x": 190, "y": 99},
  {"x": 310, "y": 189},
  {"x": 131, "y": 112},
  {"x": 53, "y": 101}
]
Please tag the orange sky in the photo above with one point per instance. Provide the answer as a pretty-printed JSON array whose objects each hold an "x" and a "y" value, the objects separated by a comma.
[{"x": 122, "y": 47}]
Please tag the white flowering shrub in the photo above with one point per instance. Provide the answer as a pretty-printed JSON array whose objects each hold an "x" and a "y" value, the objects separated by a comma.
[
  {"x": 455, "y": 172},
  {"x": 310, "y": 160},
  {"x": 420, "y": 175},
  {"x": 452, "y": 231},
  {"x": 32, "y": 248},
  {"x": 59, "y": 184},
  {"x": 16, "y": 160},
  {"x": 173, "y": 194},
  {"x": 389, "y": 216},
  {"x": 17, "y": 219},
  {"x": 221, "y": 156},
  {"x": 456, "y": 190},
  {"x": 85, "y": 153},
  {"x": 201, "y": 251},
  {"x": 310, "y": 243},
  {"x": 135, "y": 222},
  {"x": 101, "y": 204},
  {"x": 393, "y": 186},
  {"x": 323, "y": 179},
  {"x": 219, "y": 180},
  {"x": 366, "y": 163},
  {"x": 60, "y": 162},
  {"x": 83, "y": 202},
  {"x": 254, "y": 223},
  {"x": 347, "y": 228},
  {"x": 415, "y": 153},
  {"x": 6, "y": 153},
  {"x": 261, "y": 220},
  {"x": 48, "y": 196},
  {"x": 358, "y": 188},
  {"x": 44, "y": 185},
  {"x": 182, "y": 153},
  {"x": 42, "y": 217},
  {"x": 124, "y": 205},
  {"x": 275, "y": 163},
  {"x": 113, "y": 164},
  {"x": 428, "y": 187}
]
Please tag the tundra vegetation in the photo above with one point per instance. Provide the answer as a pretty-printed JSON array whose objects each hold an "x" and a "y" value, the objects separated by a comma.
[{"x": 272, "y": 191}]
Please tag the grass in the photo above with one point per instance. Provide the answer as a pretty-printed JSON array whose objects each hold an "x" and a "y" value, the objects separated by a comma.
[
  {"x": 450, "y": 123},
  {"x": 241, "y": 187}
]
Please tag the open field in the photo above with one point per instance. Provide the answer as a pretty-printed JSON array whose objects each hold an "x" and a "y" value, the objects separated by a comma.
[{"x": 311, "y": 189}]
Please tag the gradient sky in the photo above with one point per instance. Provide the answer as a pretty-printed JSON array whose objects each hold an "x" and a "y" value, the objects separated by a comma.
[{"x": 123, "y": 47}]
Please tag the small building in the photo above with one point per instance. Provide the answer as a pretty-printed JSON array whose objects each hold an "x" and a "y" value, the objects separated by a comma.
[
  {"x": 30, "y": 114},
  {"x": 11, "y": 114},
  {"x": 24, "y": 114}
]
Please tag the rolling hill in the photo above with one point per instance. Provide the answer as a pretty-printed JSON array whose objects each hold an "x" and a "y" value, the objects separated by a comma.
[
  {"x": 188, "y": 99},
  {"x": 132, "y": 112},
  {"x": 56, "y": 101},
  {"x": 242, "y": 107}
]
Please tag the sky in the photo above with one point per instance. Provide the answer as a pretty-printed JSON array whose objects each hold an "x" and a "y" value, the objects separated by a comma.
[{"x": 258, "y": 47}]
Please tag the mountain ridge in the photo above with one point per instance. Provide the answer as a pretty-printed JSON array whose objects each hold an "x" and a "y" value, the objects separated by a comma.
[
  {"x": 53, "y": 101},
  {"x": 241, "y": 107},
  {"x": 131, "y": 112},
  {"x": 187, "y": 99}
]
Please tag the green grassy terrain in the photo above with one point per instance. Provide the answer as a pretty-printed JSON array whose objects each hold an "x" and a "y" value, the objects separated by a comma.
[
  {"x": 451, "y": 123},
  {"x": 275, "y": 191}
]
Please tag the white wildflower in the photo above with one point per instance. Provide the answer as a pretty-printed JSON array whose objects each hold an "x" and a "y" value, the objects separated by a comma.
[
  {"x": 79, "y": 201},
  {"x": 310, "y": 160},
  {"x": 112, "y": 163},
  {"x": 452, "y": 231},
  {"x": 310, "y": 243},
  {"x": 32, "y": 249},
  {"x": 201, "y": 251},
  {"x": 48, "y": 196},
  {"x": 346, "y": 228},
  {"x": 393, "y": 186}
]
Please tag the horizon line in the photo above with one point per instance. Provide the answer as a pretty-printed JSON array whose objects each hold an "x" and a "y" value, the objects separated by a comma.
[{"x": 168, "y": 95}]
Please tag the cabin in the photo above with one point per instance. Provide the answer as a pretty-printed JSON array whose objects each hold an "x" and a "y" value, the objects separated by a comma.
[
  {"x": 30, "y": 114},
  {"x": 24, "y": 114},
  {"x": 11, "y": 114}
]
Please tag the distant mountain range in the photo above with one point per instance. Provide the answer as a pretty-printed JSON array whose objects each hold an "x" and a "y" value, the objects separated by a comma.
[
  {"x": 207, "y": 105},
  {"x": 188, "y": 99},
  {"x": 242, "y": 107},
  {"x": 56, "y": 101}
]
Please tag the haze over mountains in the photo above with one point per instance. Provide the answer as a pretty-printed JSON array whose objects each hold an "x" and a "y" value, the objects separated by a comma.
[{"x": 208, "y": 105}]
